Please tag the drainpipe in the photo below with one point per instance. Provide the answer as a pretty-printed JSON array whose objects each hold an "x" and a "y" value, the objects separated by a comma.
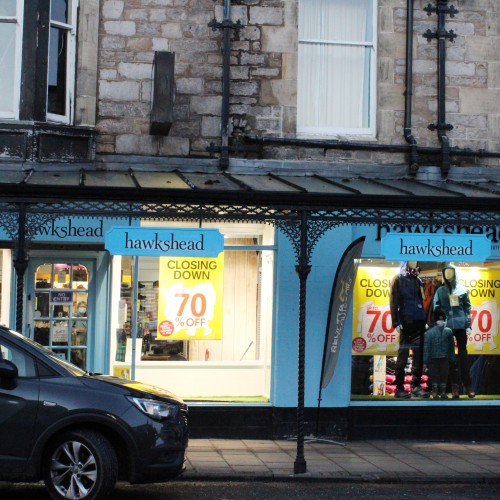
[
  {"x": 441, "y": 35},
  {"x": 227, "y": 25},
  {"x": 226, "y": 59},
  {"x": 410, "y": 139}
]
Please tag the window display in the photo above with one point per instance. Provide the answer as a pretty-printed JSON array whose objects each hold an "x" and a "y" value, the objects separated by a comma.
[
  {"x": 467, "y": 293},
  {"x": 178, "y": 319}
]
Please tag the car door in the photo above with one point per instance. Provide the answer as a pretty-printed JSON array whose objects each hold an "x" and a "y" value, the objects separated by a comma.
[{"x": 18, "y": 409}]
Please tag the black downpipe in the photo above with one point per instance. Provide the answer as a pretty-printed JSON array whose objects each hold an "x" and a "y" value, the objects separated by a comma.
[
  {"x": 410, "y": 139},
  {"x": 227, "y": 25},
  {"x": 442, "y": 127}
]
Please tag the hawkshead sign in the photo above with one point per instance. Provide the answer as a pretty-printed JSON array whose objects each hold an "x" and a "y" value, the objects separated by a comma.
[
  {"x": 436, "y": 247},
  {"x": 163, "y": 242}
]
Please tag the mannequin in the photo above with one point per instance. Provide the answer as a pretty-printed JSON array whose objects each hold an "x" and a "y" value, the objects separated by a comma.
[
  {"x": 408, "y": 317},
  {"x": 453, "y": 298},
  {"x": 439, "y": 352}
]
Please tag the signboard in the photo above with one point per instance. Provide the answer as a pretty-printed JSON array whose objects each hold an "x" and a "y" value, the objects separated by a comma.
[
  {"x": 163, "y": 242},
  {"x": 374, "y": 334},
  {"x": 432, "y": 247},
  {"x": 190, "y": 298},
  {"x": 379, "y": 371},
  {"x": 60, "y": 331},
  {"x": 61, "y": 298},
  {"x": 74, "y": 229}
]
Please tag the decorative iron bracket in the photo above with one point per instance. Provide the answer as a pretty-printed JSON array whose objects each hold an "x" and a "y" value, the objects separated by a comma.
[
  {"x": 227, "y": 23},
  {"x": 441, "y": 8},
  {"x": 440, "y": 126},
  {"x": 292, "y": 228},
  {"x": 442, "y": 33}
]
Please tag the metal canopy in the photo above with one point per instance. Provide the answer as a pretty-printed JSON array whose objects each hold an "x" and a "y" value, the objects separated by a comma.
[{"x": 312, "y": 192}]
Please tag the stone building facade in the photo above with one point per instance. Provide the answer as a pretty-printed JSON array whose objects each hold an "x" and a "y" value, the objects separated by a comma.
[{"x": 263, "y": 78}]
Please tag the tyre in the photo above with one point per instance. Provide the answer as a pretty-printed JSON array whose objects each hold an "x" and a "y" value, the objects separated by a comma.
[{"x": 80, "y": 465}]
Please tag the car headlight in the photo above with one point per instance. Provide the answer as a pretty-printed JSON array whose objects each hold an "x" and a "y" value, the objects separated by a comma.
[{"x": 154, "y": 408}]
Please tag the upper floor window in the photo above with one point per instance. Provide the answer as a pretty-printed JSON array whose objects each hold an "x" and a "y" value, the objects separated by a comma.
[
  {"x": 10, "y": 56},
  {"x": 337, "y": 70},
  {"x": 37, "y": 59},
  {"x": 61, "y": 55}
]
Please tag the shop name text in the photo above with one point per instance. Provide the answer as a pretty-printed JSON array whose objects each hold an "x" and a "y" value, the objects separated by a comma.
[
  {"x": 69, "y": 229},
  {"x": 439, "y": 250},
  {"x": 166, "y": 245},
  {"x": 492, "y": 233}
]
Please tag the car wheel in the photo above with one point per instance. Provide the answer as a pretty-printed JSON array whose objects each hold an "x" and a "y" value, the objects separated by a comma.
[{"x": 80, "y": 465}]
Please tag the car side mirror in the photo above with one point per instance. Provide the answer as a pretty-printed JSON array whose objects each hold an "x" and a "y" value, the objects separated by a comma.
[{"x": 7, "y": 369}]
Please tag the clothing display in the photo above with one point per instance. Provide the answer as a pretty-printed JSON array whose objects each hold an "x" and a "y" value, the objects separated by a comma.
[
  {"x": 439, "y": 352},
  {"x": 454, "y": 299},
  {"x": 409, "y": 318}
]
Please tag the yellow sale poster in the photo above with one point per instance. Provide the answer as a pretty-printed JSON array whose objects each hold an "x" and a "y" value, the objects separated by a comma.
[
  {"x": 372, "y": 325},
  {"x": 484, "y": 293},
  {"x": 190, "y": 298}
]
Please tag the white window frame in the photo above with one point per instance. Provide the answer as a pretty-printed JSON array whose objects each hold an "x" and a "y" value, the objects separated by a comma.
[
  {"x": 70, "y": 29},
  {"x": 18, "y": 20},
  {"x": 317, "y": 131}
]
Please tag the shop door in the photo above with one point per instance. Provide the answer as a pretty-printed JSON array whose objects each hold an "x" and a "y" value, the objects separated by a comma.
[{"x": 59, "y": 315}]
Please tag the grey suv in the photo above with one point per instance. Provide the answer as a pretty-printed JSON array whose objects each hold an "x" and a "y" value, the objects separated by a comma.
[{"x": 81, "y": 432}]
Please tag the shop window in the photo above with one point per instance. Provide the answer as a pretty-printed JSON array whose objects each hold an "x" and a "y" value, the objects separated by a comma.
[
  {"x": 240, "y": 315},
  {"x": 475, "y": 371},
  {"x": 336, "y": 68},
  {"x": 242, "y": 346}
]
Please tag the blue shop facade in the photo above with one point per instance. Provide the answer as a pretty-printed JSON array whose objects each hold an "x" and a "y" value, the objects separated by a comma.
[{"x": 100, "y": 310}]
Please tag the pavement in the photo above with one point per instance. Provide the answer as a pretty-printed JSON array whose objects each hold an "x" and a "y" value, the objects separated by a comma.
[{"x": 364, "y": 461}]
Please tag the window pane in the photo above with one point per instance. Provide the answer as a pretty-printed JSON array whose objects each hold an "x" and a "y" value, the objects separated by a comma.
[
  {"x": 59, "y": 10},
  {"x": 332, "y": 98},
  {"x": 8, "y": 8},
  {"x": 339, "y": 20},
  {"x": 334, "y": 65},
  {"x": 7, "y": 63},
  {"x": 57, "y": 72}
]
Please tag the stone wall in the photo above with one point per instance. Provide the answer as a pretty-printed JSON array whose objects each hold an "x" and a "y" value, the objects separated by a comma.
[{"x": 263, "y": 76}]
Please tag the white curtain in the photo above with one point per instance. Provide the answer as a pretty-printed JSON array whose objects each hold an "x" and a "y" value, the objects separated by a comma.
[{"x": 334, "y": 65}]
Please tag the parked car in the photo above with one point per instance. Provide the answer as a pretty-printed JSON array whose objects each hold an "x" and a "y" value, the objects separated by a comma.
[{"x": 81, "y": 432}]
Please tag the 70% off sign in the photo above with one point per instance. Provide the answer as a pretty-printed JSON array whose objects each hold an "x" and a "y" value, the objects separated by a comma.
[{"x": 190, "y": 303}]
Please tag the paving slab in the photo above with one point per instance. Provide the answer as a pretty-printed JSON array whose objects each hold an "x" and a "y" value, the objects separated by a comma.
[{"x": 371, "y": 460}]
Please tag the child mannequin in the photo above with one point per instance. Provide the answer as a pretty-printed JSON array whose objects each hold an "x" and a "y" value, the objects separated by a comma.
[{"x": 439, "y": 352}]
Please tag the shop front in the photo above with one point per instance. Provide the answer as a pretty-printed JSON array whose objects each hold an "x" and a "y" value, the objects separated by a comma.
[
  {"x": 254, "y": 368},
  {"x": 100, "y": 311}
]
